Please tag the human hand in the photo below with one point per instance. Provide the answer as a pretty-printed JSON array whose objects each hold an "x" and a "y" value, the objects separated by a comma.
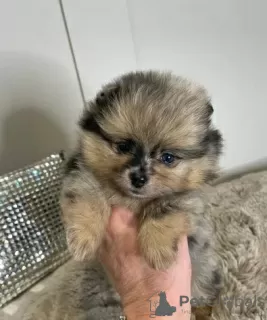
[{"x": 135, "y": 281}]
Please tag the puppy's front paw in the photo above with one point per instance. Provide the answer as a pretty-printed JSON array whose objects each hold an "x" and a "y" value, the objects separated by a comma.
[
  {"x": 83, "y": 241},
  {"x": 85, "y": 225},
  {"x": 158, "y": 239},
  {"x": 158, "y": 249}
]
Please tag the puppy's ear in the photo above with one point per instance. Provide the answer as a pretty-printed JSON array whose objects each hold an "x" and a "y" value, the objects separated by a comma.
[
  {"x": 215, "y": 142},
  {"x": 97, "y": 107},
  {"x": 107, "y": 95},
  {"x": 210, "y": 109},
  {"x": 214, "y": 145}
]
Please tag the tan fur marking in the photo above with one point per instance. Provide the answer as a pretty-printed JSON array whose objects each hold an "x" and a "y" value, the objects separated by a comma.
[
  {"x": 157, "y": 238},
  {"x": 101, "y": 157},
  {"x": 86, "y": 224},
  {"x": 85, "y": 214}
]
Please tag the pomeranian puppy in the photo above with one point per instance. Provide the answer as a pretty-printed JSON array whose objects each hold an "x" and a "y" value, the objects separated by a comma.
[{"x": 146, "y": 142}]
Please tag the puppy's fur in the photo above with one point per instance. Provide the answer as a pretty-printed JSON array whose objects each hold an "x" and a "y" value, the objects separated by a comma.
[{"x": 146, "y": 142}]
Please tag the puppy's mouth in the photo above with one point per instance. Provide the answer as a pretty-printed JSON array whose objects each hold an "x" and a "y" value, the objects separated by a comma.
[
  {"x": 133, "y": 192},
  {"x": 137, "y": 193}
]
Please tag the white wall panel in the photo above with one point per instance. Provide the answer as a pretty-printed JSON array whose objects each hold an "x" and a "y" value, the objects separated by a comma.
[
  {"x": 222, "y": 44},
  {"x": 102, "y": 40},
  {"x": 39, "y": 95}
]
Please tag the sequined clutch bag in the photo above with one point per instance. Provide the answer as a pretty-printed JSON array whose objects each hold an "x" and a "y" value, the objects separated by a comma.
[{"x": 32, "y": 238}]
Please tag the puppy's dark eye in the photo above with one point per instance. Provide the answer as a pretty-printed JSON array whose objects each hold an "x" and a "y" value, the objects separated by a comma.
[
  {"x": 125, "y": 146},
  {"x": 167, "y": 158}
]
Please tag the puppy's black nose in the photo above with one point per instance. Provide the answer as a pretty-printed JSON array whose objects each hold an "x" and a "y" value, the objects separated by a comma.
[{"x": 138, "y": 179}]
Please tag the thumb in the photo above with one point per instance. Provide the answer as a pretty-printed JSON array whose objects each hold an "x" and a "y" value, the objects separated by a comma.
[
  {"x": 122, "y": 231},
  {"x": 121, "y": 222}
]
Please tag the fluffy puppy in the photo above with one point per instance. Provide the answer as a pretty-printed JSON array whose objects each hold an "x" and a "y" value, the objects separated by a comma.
[{"x": 146, "y": 142}]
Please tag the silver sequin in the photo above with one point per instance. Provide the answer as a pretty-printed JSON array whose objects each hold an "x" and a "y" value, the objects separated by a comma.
[{"x": 32, "y": 238}]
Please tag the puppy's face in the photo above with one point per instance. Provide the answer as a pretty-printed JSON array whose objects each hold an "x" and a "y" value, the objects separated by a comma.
[{"x": 148, "y": 134}]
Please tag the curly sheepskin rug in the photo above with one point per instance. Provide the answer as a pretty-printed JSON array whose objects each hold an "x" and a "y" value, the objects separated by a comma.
[{"x": 238, "y": 211}]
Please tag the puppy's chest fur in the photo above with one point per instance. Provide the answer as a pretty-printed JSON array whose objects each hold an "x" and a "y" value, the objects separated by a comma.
[
  {"x": 189, "y": 204},
  {"x": 114, "y": 198}
]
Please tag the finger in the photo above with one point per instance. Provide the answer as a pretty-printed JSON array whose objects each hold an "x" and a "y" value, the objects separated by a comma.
[
  {"x": 183, "y": 252},
  {"x": 120, "y": 240},
  {"x": 122, "y": 225},
  {"x": 121, "y": 235},
  {"x": 183, "y": 261},
  {"x": 120, "y": 219}
]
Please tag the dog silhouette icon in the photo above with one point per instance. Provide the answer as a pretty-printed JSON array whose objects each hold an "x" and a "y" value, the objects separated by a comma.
[{"x": 164, "y": 308}]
